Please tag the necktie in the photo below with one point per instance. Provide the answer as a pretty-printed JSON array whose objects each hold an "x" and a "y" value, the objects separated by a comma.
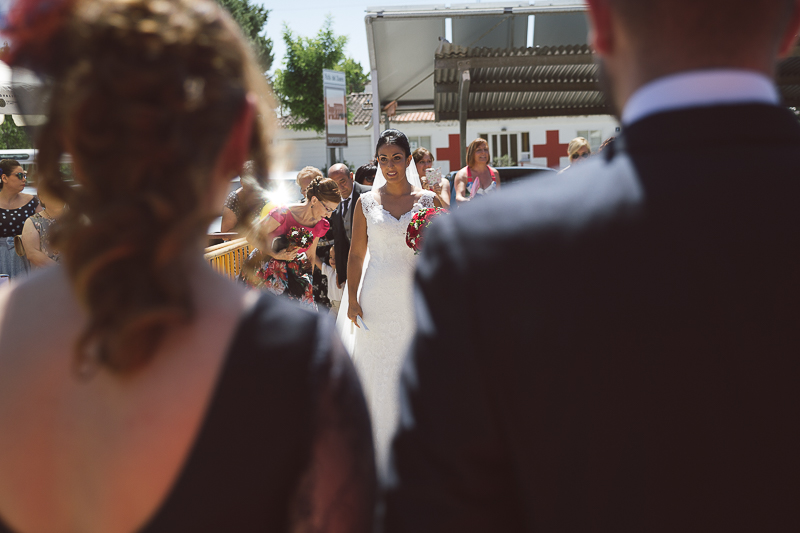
[{"x": 344, "y": 207}]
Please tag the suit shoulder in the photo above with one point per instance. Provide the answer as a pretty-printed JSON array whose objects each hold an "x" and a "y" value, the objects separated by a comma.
[
  {"x": 361, "y": 189},
  {"x": 590, "y": 196}
]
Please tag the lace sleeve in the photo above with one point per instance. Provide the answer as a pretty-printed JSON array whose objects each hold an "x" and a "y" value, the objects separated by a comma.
[
  {"x": 338, "y": 490},
  {"x": 368, "y": 203},
  {"x": 427, "y": 199}
]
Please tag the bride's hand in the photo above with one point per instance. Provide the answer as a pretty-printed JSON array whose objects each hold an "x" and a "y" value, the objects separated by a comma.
[{"x": 353, "y": 311}]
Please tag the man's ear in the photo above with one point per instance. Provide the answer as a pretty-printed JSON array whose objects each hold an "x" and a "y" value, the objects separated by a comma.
[
  {"x": 601, "y": 37},
  {"x": 236, "y": 149},
  {"x": 793, "y": 28}
]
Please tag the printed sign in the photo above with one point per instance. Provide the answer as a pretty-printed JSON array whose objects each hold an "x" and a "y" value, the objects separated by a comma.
[{"x": 334, "y": 88}]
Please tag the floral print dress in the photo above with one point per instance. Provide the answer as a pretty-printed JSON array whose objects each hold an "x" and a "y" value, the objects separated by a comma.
[{"x": 292, "y": 279}]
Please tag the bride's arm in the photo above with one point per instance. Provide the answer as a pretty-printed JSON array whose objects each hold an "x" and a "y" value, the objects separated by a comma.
[{"x": 355, "y": 260}]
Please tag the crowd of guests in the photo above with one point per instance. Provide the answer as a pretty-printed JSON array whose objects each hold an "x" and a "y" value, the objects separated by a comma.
[
  {"x": 476, "y": 179},
  {"x": 26, "y": 218}
]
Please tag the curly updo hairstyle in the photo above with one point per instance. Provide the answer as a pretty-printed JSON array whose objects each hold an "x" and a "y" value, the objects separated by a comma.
[
  {"x": 143, "y": 96},
  {"x": 324, "y": 189}
]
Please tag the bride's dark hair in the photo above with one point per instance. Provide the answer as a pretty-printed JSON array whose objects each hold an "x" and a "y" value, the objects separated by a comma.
[{"x": 395, "y": 137}]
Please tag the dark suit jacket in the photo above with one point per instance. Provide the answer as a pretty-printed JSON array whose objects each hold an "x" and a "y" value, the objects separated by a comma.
[
  {"x": 617, "y": 348},
  {"x": 341, "y": 243}
]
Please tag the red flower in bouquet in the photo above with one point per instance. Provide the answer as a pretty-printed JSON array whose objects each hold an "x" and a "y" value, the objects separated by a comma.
[
  {"x": 421, "y": 220},
  {"x": 300, "y": 237}
]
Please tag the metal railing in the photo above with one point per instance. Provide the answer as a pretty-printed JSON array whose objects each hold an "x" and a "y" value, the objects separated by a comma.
[{"x": 227, "y": 258}]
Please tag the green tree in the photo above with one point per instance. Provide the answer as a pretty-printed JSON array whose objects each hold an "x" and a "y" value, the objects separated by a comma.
[
  {"x": 252, "y": 19},
  {"x": 13, "y": 137},
  {"x": 354, "y": 73},
  {"x": 299, "y": 85}
]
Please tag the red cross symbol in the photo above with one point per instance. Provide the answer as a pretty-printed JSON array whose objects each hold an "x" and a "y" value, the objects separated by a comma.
[
  {"x": 452, "y": 153},
  {"x": 551, "y": 149}
]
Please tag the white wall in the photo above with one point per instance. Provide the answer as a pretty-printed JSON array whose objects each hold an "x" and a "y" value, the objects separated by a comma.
[
  {"x": 309, "y": 149},
  {"x": 303, "y": 148}
]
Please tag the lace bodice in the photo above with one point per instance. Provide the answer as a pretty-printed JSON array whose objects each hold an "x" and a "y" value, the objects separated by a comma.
[{"x": 386, "y": 235}]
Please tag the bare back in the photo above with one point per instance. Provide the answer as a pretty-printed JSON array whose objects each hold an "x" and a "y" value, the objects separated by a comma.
[{"x": 99, "y": 454}]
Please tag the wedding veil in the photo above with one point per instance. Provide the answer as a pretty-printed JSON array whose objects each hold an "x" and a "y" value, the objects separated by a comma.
[{"x": 411, "y": 175}]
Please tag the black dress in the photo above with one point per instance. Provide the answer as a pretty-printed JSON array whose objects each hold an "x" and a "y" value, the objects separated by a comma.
[{"x": 287, "y": 406}]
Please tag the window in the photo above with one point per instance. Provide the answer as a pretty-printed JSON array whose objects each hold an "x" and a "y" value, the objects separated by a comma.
[
  {"x": 423, "y": 141},
  {"x": 508, "y": 149},
  {"x": 595, "y": 138}
]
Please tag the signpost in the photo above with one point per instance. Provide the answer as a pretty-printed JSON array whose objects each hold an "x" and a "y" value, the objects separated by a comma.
[{"x": 334, "y": 88}]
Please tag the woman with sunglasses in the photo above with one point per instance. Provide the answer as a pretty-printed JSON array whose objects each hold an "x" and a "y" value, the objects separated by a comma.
[
  {"x": 287, "y": 270},
  {"x": 578, "y": 150},
  {"x": 15, "y": 208},
  {"x": 160, "y": 396}
]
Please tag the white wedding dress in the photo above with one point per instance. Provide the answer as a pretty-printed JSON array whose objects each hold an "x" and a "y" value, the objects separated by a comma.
[{"x": 386, "y": 299}]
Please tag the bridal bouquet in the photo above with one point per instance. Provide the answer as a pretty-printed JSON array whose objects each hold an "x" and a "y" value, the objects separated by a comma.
[
  {"x": 421, "y": 220},
  {"x": 295, "y": 238}
]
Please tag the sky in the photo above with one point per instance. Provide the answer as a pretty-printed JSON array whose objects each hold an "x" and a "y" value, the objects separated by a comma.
[{"x": 306, "y": 17}]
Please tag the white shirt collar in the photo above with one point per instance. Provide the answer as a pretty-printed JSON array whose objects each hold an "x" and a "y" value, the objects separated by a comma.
[{"x": 700, "y": 88}]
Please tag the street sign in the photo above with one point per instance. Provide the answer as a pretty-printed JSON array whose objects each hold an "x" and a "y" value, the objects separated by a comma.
[{"x": 334, "y": 88}]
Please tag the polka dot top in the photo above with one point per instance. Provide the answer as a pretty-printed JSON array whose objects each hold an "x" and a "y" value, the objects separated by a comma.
[{"x": 12, "y": 220}]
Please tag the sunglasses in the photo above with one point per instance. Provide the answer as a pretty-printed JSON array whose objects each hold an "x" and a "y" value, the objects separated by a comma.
[
  {"x": 21, "y": 175},
  {"x": 585, "y": 154}
]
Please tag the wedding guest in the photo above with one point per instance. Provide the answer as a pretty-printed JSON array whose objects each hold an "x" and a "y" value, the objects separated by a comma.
[
  {"x": 279, "y": 267},
  {"x": 578, "y": 150},
  {"x": 247, "y": 193},
  {"x": 342, "y": 218},
  {"x": 365, "y": 175},
  {"x": 15, "y": 208},
  {"x": 477, "y": 178},
  {"x": 424, "y": 160},
  {"x": 37, "y": 229},
  {"x": 139, "y": 389},
  {"x": 643, "y": 377},
  {"x": 305, "y": 177}
]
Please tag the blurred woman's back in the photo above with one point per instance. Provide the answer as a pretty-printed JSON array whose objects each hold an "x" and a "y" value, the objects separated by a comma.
[{"x": 139, "y": 390}]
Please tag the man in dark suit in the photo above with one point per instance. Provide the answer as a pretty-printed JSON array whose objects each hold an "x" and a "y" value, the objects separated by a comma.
[
  {"x": 342, "y": 218},
  {"x": 616, "y": 349}
]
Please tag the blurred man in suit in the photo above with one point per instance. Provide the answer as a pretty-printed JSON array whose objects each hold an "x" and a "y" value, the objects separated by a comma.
[
  {"x": 635, "y": 368},
  {"x": 342, "y": 218}
]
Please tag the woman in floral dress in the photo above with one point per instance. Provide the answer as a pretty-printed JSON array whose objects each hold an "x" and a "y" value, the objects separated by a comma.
[{"x": 288, "y": 271}]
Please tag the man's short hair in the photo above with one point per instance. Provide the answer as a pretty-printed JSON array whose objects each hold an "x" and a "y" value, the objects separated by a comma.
[{"x": 708, "y": 27}]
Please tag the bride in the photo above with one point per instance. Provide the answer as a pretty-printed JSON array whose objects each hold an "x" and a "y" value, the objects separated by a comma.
[{"x": 384, "y": 303}]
